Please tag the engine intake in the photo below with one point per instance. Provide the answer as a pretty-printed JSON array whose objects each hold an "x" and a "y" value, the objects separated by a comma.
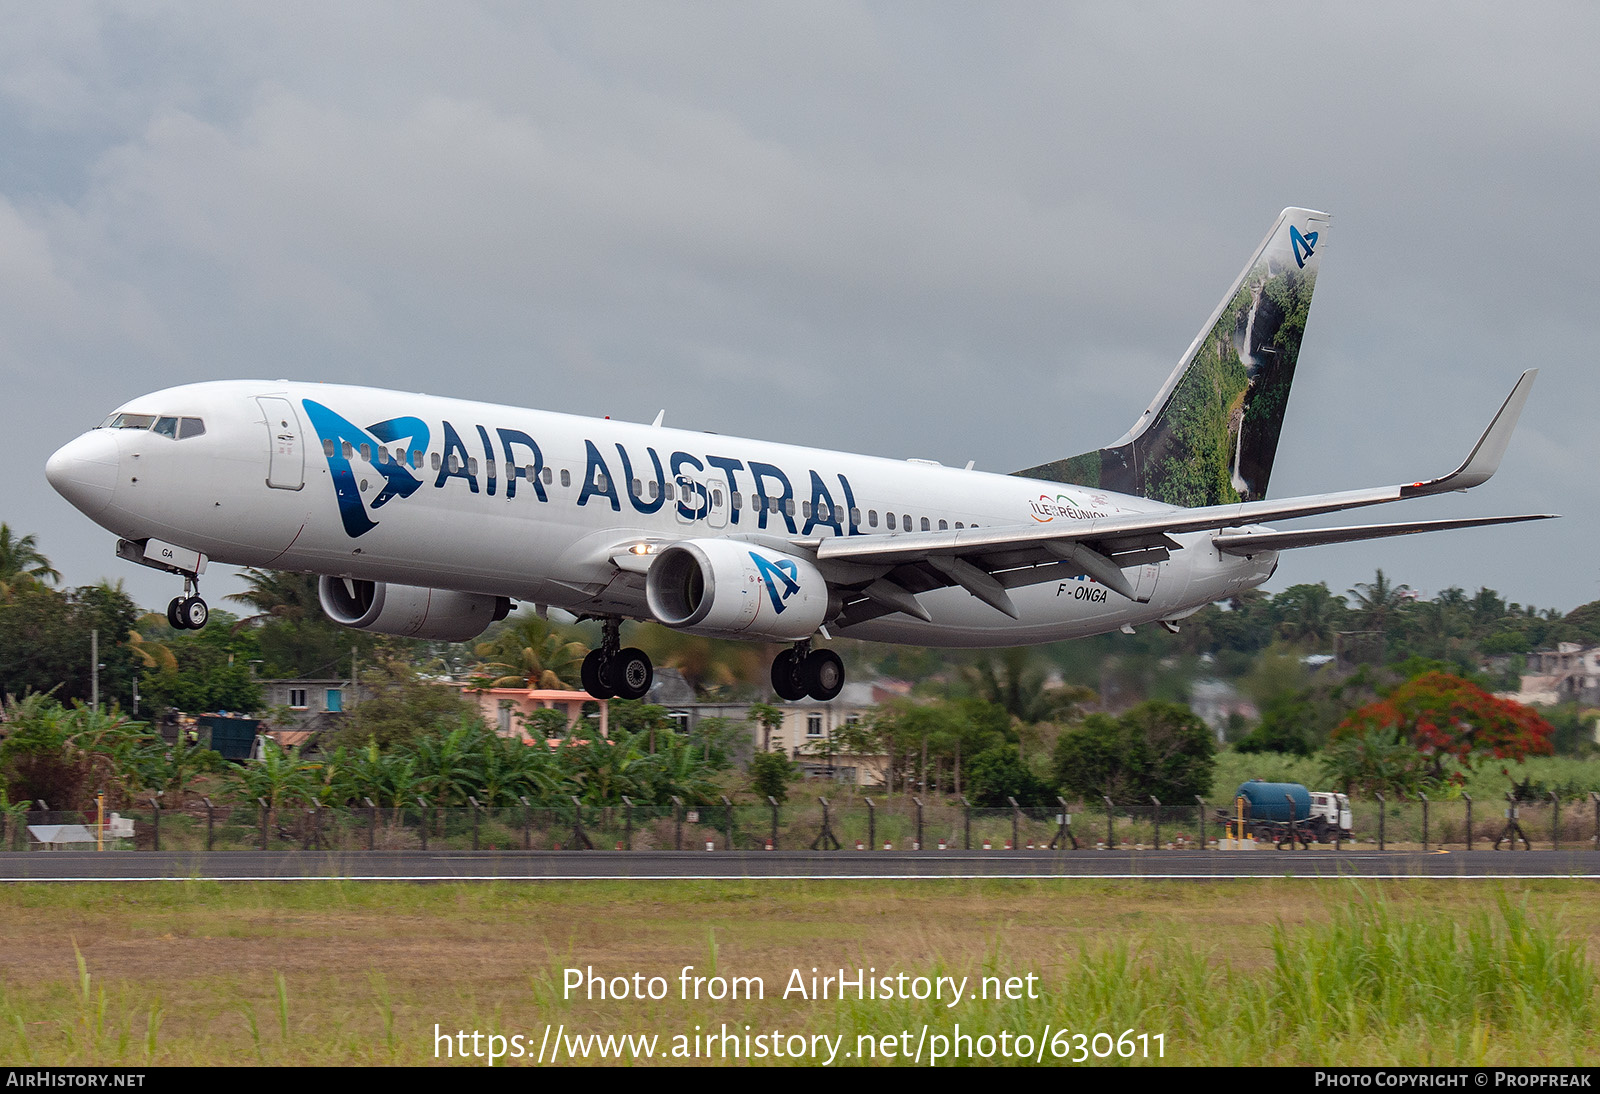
[
  {"x": 726, "y": 588},
  {"x": 409, "y": 611}
]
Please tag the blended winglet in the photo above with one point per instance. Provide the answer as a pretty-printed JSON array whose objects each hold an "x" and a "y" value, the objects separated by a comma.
[{"x": 1484, "y": 460}]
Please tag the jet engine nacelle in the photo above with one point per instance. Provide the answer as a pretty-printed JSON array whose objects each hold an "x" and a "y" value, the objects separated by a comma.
[
  {"x": 727, "y": 588},
  {"x": 409, "y": 611}
]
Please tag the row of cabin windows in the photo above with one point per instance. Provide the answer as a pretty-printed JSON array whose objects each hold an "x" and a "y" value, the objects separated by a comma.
[
  {"x": 652, "y": 490},
  {"x": 165, "y": 425}
]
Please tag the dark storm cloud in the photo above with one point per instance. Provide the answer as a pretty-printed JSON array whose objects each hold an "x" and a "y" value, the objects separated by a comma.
[{"x": 831, "y": 224}]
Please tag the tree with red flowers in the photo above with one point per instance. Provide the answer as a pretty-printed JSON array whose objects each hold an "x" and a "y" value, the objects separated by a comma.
[{"x": 1442, "y": 718}]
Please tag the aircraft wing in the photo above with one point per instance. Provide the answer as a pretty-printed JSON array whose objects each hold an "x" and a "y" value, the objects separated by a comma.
[{"x": 988, "y": 560}]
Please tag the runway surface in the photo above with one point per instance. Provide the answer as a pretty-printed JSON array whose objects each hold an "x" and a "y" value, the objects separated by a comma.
[{"x": 59, "y": 866}]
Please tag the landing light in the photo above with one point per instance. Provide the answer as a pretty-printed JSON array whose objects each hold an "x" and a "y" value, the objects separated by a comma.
[{"x": 639, "y": 549}]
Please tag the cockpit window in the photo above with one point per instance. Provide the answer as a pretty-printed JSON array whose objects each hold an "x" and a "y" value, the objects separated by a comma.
[
  {"x": 133, "y": 421},
  {"x": 167, "y": 427},
  {"x": 192, "y": 427}
]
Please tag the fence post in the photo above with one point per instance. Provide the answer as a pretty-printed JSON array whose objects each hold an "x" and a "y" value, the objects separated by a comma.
[
  {"x": 1424, "y": 798},
  {"x": 966, "y": 823},
  {"x": 1200, "y": 813},
  {"x": 1596, "y": 797},
  {"x": 1468, "y": 798},
  {"x": 872, "y": 824},
  {"x": 473, "y": 802},
  {"x": 1066, "y": 827},
  {"x": 825, "y": 836},
  {"x": 677, "y": 831},
  {"x": 918, "y": 802},
  {"x": 372, "y": 823},
  {"x": 1111, "y": 835},
  {"x": 727, "y": 822},
  {"x": 1381, "y": 811},
  {"x": 208, "y": 821},
  {"x": 423, "y": 816},
  {"x": 580, "y": 841},
  {"x": 1016, "y": 817},
  {"x": 1156, "y": 802},
  {"x": 774, "y": 803},
  {"x": 265, "y": 812},
  {"x": 1555, "y": 821},
  {"x": 627, "y": 823},
  {"x": 155, "y": 806}
]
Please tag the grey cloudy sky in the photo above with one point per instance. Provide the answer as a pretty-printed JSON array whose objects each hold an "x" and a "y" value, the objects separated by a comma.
[{"x": 949, "y": 231}]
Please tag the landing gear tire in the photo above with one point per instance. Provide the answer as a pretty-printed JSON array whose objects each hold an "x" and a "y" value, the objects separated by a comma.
[
  {"x": 173, "y": 616},
  {"x": 787, "y": 679},
  {"x": 824, "y": 675},
  {"x": 194, "y": 613},
  {"x": 631, "y": 673},
  {"x": 591, "y": 675}
]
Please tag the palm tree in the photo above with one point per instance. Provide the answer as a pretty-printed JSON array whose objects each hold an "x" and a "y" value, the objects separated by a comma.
[
  {"x": 531, "y": 654},
  {"x": 277, "y": 594},
  {"x": 1310, "y": 614},
  {"x": 21, "y": 562},
  {"x": 1378, "y": 600}
]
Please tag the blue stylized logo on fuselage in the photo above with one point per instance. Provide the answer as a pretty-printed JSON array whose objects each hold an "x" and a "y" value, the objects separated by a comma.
[{"x": 339, "y": 435}]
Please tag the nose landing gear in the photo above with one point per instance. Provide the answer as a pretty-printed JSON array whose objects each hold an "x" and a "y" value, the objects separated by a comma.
[
  {"x": 803, "y": 671},
  {"x": 188, "y": 612},
  {"x": 614, "y": 673}
]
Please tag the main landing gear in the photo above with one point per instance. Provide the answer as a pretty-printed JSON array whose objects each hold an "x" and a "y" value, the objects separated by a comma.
[
  {"x": 613, "y": 673},
  {"x": 188, "y": 612},
  {"x": 803, "y": 671}
]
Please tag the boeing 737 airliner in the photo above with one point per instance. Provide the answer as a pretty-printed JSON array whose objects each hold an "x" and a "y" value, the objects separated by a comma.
[{"x": 426, "y": 517}]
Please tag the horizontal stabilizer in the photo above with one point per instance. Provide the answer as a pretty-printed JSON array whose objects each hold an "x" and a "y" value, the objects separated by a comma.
[{"x": 1248, "y": 543}]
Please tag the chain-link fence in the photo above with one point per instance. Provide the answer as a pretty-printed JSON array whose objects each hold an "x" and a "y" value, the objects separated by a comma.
[{"x": 898, "y": 823}]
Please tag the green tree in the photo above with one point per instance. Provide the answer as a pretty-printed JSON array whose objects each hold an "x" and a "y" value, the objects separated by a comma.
[
  {"x": 1157, "y": 748},
  {"x": 531, "y": 653},
  {"x": 402, "y": 706},
  {"x": 998, "y": 774},
  {"x": 770, "y": 775}
]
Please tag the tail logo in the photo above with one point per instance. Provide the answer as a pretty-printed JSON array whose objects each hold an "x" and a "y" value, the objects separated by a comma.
[
  {"x": 1304, "y": 246},
  {"x": 782, "y": 572}
]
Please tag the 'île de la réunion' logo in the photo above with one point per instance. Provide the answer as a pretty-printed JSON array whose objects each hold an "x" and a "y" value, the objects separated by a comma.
[
  {"x": 344, "y": 441},
  {"x": 1046, "y": 509},
  {"x": 783, "y": 572}
]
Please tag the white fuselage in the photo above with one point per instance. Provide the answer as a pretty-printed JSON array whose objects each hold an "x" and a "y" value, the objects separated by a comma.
[{"x": 535, "y": 505}]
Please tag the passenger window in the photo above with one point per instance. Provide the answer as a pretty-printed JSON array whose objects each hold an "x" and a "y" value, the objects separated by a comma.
[
  {"x": 890, "y": 518},
  {"x": 905, "y": 521},
  {"x": 960, "y": 525},
  {"x": 166, "y": 427},
  {"x": 855, "y": 517},
  {"x": 531, "y": 473},
  {"x": 566, "y": 477},
  {"x": 192, "y": 427},
  {"x": 943, "y": 527},
  {"x": 716, "y": 497},
  {"x": 349, "y": 453},
  {"x": 327, "y": 447},
  {"x": 637, "y": 492},
  {"x": 736, "y": 499},
  {"x": 472, "y": 465},
  {"x": 416, "y": 459},
  {"x": 366, "y": 452},
  {"x": 872, "y": 518},
  {"x": 805, "y": 511},
  {"x": 788, "y": 507},
  {"x": 655, "y": 489},
  {"x": 672, "y": 495},
  {"x": 925, "y": 524},
  {"x": 455, "y": 464},
  {"x": 548, "y": 476},
  {"x": 432, "y": 455}
]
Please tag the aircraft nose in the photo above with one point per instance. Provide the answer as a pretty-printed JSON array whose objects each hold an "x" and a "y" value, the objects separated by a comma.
[{"x": 84, "y": 471}]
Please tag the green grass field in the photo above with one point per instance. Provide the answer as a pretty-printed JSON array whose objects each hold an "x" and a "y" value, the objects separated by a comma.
[{"x": 1284, "y": 971}]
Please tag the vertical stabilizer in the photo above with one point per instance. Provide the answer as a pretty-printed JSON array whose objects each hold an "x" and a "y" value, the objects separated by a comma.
[{"x": 1210, "y": 434}]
